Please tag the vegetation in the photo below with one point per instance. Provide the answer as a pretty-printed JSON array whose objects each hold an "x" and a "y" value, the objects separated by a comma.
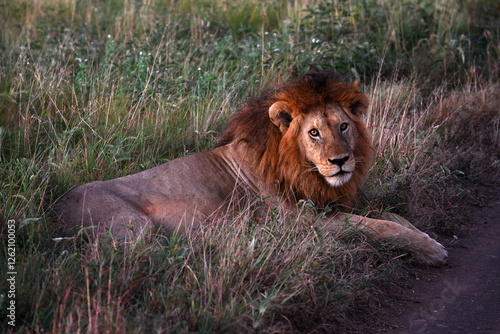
[{"x": 93, "y": 90}]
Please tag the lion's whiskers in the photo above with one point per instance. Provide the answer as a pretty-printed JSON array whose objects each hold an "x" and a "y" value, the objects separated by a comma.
[
  {"x": 311, "y": 167},
  {"x": 358, "y": 161}
]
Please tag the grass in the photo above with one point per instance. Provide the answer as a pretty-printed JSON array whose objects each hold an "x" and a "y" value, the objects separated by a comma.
[{"x": 100, "y": 89}]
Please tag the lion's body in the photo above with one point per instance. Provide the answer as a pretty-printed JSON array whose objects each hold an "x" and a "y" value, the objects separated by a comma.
[
  {"x": 180, "y": 192},
  {"x": 302, "y": 140}
]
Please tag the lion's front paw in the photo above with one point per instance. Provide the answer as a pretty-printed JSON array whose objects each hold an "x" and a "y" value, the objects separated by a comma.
[{"x": 431, "y": 252}]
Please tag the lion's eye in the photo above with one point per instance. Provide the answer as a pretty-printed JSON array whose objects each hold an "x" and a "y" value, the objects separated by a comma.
[
  {"x": 314, "y": 133},
  {"x": 343, "y": 127}
]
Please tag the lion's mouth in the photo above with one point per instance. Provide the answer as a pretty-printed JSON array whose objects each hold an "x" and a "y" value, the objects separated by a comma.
[{"x": 338, "y": 179}]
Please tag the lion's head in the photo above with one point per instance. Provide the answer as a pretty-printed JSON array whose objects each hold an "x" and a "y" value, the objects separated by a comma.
[{"x": 307, "y": 138}]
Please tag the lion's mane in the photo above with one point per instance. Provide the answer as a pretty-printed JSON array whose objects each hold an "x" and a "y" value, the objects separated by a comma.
[{"x": 277, "y": 156}]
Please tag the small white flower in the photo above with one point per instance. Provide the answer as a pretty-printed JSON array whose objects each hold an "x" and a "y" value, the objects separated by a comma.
[
  {"x": 78, "y": 59},
  {"x": 276, "y": 49},
  {"x": 245, "y": 66},
  {"x": 140, "y": 53},
  {"x": 149, "y": 53},
  {"x": 199, "y": 68},
  {"x": 109, "y": 36},
  {"x": 86, "y": 59}
]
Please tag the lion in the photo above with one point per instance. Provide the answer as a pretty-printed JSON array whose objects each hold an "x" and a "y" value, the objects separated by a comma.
[{"x": 304, "y": 140}]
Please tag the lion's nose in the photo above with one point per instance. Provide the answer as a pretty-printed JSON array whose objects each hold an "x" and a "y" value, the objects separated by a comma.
[{"x": 339, "y": 161}]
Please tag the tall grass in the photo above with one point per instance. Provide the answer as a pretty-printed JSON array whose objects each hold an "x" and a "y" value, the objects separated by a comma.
[
  {"x": 100, "y": 89},
  {"x": 431, "y": 149}
]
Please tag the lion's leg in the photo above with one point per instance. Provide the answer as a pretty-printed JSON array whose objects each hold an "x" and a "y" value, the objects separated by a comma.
[
  {"x": 88, "y": 207},
  {"x": 426, "y": 249},
  {"x": 123, "y": 223},
  {"x": 398, "y": 219},
  {"x": 129, "y": 223}
]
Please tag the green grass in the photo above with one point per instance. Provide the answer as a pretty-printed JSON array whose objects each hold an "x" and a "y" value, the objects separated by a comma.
[{"x": 99, "y": 89}]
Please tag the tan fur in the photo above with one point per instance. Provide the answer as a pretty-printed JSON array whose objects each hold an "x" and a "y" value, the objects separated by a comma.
[{"x": 304, "y": 140}]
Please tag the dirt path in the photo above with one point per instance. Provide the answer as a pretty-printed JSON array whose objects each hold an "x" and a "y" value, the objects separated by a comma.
[{"x": 464, "y": 295}]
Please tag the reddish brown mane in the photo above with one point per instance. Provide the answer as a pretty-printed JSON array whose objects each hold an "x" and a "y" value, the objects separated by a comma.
[{"x": 277, "y": 157}]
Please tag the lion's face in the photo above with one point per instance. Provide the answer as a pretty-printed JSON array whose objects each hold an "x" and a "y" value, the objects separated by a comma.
[
  {"x": 326, "y": 138},
  {"x": 311, "y": 144}
]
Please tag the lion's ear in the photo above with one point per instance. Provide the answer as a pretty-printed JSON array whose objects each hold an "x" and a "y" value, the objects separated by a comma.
[
  {"x": 281, "y": 115},
  {"x": 360, "y": 106}
]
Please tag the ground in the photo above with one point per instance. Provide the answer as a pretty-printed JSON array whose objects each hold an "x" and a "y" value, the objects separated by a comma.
[{"x": 464, "y": 295}]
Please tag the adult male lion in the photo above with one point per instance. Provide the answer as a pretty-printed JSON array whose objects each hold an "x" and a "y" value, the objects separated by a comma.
[{"x": 304, "y": 140}]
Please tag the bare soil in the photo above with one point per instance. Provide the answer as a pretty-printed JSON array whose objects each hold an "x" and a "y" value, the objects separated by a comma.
[{"x": 464, "y": 295}]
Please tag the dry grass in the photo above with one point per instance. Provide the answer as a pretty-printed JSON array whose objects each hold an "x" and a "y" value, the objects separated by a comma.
[{"x": 431, "y": 150}]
